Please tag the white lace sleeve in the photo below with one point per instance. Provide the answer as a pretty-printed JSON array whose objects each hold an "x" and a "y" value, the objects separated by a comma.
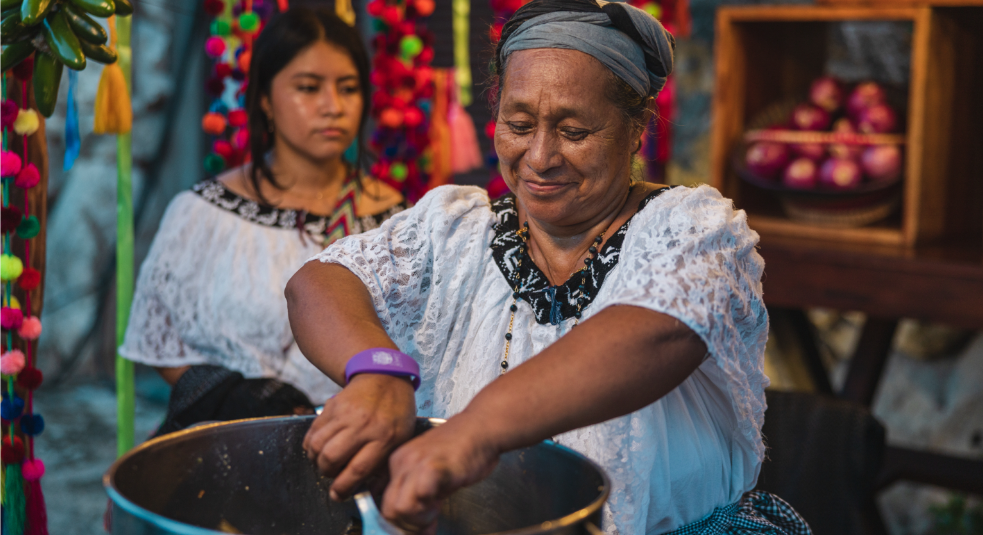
[
  {"x": 396, "y": 261},
  {"x": 153, "y": 335},
  {"x": 690, "y": 255}
]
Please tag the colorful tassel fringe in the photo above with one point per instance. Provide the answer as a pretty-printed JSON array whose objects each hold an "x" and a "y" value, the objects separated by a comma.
[
  {"x": 13, "y": 501},
  {"x": 37, "y": 513},
  {"x": 73, "y": 142}
]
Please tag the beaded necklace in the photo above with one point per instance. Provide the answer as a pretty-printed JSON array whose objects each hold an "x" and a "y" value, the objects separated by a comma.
[{"x": 523, "y": 234}]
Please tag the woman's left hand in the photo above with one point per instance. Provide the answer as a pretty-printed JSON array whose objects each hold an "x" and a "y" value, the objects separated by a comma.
[{"x": 429, "y": 468}]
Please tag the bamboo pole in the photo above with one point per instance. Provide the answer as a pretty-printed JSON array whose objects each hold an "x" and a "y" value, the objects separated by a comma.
[{"x": 125, "y": 391}]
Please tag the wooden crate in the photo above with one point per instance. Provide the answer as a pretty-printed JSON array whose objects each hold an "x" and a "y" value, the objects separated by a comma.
[
  {"x": 941, "y": 3},
  {"x": 766, "y": 54}
]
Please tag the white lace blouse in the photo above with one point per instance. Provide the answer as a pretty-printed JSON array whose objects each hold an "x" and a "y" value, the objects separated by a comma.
[
  {"x": 437, "y": 277},
  {"x": 211, "y": 288}
]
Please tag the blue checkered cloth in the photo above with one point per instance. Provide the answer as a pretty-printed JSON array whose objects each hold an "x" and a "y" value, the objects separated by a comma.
[{"x": 758, "y": 513}]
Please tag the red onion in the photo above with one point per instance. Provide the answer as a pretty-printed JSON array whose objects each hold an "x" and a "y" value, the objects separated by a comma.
[
  {"x": 877, "y": 119},
  {"x": 800, "y": 174},
  {"x": 842, "y": 150},
  {"x": 844, "y": 125},
  {"x": 765, "y": 159},
  {"x": 882, "y": 163},
  {"x": 813, "y": 151},
  {"x": 837, "y": 173},
  {"x": 809, "y": 117},
  {"x": 864, "y": 96},
  {"x": 827, "y": 93}
]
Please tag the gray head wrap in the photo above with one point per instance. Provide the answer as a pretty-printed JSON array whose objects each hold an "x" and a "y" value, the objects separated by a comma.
[{"x": 643, "y": 60}]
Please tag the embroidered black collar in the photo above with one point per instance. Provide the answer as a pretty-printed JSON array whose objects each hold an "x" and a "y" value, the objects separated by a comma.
[
  {"x": 553, "y": 304},
  {"x": 217, "y": 194}
]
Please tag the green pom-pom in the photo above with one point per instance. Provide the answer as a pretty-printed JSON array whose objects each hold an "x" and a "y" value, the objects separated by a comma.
[
  {"x": 249, "y": 21},
  {"x": 221, "y": 27},
  {"x": 214, "y": 163},
  {"x": 378, "y": 26},
  {"x": 28, "y": 228},
  {"x": 410, "y": 46},
  {"x": 653, "y": 9},
  {"x": 398, "y": 171}
]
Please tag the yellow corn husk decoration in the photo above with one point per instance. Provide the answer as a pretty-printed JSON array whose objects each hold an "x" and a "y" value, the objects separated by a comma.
[
  {"x": 114, "y": 111},
  {"x": 345, "y": 12}
]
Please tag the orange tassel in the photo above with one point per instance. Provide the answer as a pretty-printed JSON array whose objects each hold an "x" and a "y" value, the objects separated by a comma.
[{"x": 114, "y": 111}]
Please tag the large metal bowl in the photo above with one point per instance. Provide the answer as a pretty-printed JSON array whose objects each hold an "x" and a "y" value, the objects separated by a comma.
[{"x": 252, "y": 476}]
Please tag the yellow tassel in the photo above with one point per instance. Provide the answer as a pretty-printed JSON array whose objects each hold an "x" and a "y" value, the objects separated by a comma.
[
  {"x": 345, "y": 12},
  {"x": 114, "y": 111}
]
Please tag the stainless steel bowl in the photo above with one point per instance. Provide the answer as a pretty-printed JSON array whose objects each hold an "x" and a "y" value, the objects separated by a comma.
[{"x": 252, "y": 476}]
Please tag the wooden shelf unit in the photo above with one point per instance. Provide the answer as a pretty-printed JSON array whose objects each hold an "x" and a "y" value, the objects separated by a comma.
[{"x": 766, "y": 54}]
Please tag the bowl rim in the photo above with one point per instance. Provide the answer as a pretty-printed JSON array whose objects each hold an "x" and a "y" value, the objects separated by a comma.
[{"x": 181, "y": 528}]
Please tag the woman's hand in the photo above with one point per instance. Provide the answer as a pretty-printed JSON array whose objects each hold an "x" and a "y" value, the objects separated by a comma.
[
  {"x": 430, "y": 467},
  {"x": 359, "y": 428}
]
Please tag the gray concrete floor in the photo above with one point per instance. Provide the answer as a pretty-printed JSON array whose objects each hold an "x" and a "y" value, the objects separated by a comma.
[{"x": 79, "y": 444}]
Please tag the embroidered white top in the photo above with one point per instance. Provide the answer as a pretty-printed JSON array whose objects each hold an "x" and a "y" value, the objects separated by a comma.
[
  {"x": 437, "y": 277},
  {"x": 211, "y": 288}
]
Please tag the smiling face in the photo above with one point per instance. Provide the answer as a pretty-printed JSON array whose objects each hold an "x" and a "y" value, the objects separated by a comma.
[
  {"x": 315, "y": 102},
  {"x": 564, "y": 146}
]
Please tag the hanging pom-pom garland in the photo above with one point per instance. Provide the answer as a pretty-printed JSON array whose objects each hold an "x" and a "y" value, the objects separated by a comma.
[
  {"x": 402, "y": 104},
  {"x": 235, "y": 26},
  {"x": 23, "y": 505}
]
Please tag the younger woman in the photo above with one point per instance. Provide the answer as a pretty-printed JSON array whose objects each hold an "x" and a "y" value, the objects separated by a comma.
[{"x": 209, "y": 311}]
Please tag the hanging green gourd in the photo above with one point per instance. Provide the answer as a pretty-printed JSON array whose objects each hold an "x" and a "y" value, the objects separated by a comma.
[{"x": 57, "y": 33}]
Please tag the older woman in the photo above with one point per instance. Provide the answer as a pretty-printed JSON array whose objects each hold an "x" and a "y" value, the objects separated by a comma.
[{"x": 623, "y": 319}]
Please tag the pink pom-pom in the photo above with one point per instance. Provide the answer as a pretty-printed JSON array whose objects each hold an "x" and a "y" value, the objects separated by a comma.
[
  {"x": 215, "y": 46},
  {"x": 240, "y": 140},
  {"x": 28, "y": 177},
  {"x": 11, "y": 318},
  {"x": 30, "y": 328},
  {"x": 9, "y": 163},
  {"x": 12, "y": 362},
  {"x": 32, "y": 469},
  {"x": 8, "y": 113}
]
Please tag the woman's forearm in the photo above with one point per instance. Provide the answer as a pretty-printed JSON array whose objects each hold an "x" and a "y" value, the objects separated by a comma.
[
  {"x": 615, "y": 363},
  {"x": 332, "y": 317}
]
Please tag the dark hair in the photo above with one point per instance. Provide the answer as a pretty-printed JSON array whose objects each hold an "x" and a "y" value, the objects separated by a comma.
[{"x": 285, "y": 36}]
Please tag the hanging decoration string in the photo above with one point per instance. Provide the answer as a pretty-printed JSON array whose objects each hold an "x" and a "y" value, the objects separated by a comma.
[
  {"x": 402, "y": 104},
  {"x": 24, "y": 509},
  {"x": 230, "y": 46}
]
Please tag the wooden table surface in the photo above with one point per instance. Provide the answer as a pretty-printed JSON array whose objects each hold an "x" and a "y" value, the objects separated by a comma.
[
  {"x": 942, "y": 283},
  {"x": 939, "y": 283}
]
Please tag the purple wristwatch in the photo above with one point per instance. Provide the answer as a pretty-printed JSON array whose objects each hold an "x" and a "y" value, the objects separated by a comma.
[{"x": 385, "y": 361}]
